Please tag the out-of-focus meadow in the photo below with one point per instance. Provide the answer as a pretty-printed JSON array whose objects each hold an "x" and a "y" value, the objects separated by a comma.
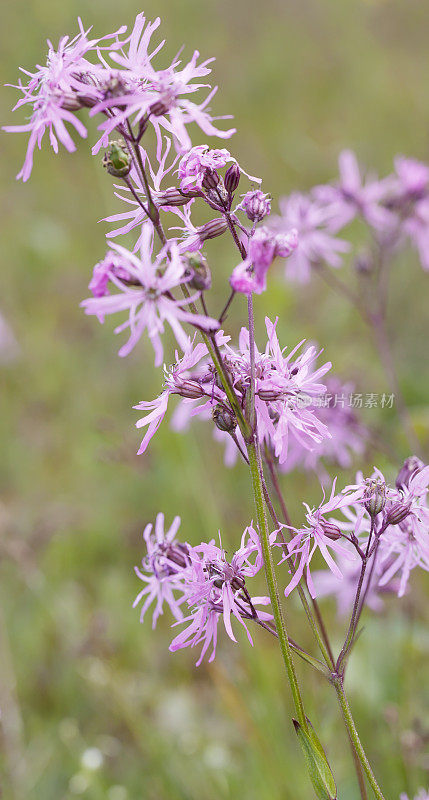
[{"x": 93, "y": 704}]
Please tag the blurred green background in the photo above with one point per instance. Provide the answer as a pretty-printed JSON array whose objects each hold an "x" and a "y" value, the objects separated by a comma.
[{"x": 93, "y": 705}]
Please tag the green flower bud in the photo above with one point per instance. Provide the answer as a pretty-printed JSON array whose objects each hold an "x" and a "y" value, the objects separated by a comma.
[
  {"x": 117, "y": 159},
  {"x": 375, "y": 496}
]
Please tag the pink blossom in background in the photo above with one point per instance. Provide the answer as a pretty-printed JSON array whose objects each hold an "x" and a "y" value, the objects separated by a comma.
[
  {"x": 317, "y": 242},
  {"x": 412, "y": 178},
  {"x": 9, "y": 347},
  {"x": 354, "y": 195},
  {"x": 348, "y": 434},
  {"x": 416, "y": 226},
  {"x": 326, "y": 584}
]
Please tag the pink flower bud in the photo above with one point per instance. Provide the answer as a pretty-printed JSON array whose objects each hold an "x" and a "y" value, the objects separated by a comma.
[
  {"x": 210, "y": 179},
  {"x": 216, "y": 227},
  {"x": 330, "y": 530},
  {"x": 396, "y": 513},
  {"x": 232, "y": 178},
  {"x": 256, "y": 205}
]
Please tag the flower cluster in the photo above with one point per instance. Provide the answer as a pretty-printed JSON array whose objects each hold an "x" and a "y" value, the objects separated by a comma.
[
  {"x": 348, "y": 434},
  {"x": 212, "y": 587},
  {"x": 129, "y": 90},
  {"x": 394, "y": 209},
  {"x": 283, "y": 381},
  {"x": 386, "y": 528},
  {"x": 272, "y": 406}
]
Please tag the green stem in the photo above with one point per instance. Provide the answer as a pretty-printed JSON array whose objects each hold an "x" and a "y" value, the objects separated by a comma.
[
  {"x": 319, "y": 634},
  {"x": 322, "y": 639},
  {"x": 354, "y": 736},
  {"x": 272, "y": 583}
]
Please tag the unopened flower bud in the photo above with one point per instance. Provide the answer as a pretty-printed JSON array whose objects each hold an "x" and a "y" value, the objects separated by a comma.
[
  {"x": 256, "y": 205},
  {"x": 411, "y": 465},
  {"x": 189, "y": 389},
  {"x": 224, "y": 419},
  {"x": 396, "y": 513},
  {"x": 210, "y": 179},
  {"x": 330, "y": 530},
  {"x": 269, "y": 395},
  {"x": 200, "y": 271},
  {"x": 374, "y": 496},
  {"x": 171, "y": 197},
  {"x": 216, "y": 227},
  {"x": 117, "y": 160},
  {"x": 232, "y": 178}
]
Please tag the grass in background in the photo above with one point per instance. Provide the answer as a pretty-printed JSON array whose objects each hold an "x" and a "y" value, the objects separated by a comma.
[{"x": 93, "y": 704}]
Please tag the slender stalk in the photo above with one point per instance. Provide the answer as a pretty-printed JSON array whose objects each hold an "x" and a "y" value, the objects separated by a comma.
[
  {"x": 351, "y": 727},
  {"x": 376, "y": 323},
  {"x": 353, "y": 620},
  {"x": 258, "y": 493},
  {"x": 319, "y": 630},
  {"x": 250, "y": 402},
  {"x": 272, "y": 584},
  {"x": 210, "y": 341},
  {"x": 384, "y": 350},
  {"x": 330, "y": 662},
  {"x": 225, "y": 309}
]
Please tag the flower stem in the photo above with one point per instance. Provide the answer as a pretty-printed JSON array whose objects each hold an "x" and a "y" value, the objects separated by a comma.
[
  {"x": 354, "y": 736},
  {"x": 319, "y": 629},
  {"x": 272, "y": 583}
]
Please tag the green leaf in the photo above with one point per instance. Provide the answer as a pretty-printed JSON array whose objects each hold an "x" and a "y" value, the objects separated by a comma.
[
  {"x": 314, "y": 662},
  {"x": 317, "y": 763}
]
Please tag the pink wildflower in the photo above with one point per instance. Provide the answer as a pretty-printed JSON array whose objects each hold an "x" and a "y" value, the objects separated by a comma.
[
  {"x": 163, "y": 566},
  {"x": 148, "y": 299},
  {"x": 318, "y": 535},
  {"x": 194, "y": 164},
  {"x": 251, "y": 274},
  {"x": 216, "y": 588},
  {"x": 178, "y": 379},
  {"x": 56, "y": 91},
  {"x": 105, "y": 271},
  {"x": 159, "y": 96}
]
